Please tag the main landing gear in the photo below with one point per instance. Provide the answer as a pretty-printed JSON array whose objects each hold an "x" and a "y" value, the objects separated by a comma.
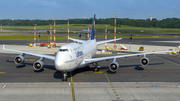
[
  {"x": 64, "y": 78},
  {"x": 86, "y": 68},
  {"x": 96, "y": 66}
]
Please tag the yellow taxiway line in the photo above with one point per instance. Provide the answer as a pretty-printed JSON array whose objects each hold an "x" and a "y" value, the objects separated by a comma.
[
  {"x": 72, "y": 87},
  {"x": 112, "y": 87},
  {"x": 98, "y": 71},
  {"x": 2, "y": 72}
]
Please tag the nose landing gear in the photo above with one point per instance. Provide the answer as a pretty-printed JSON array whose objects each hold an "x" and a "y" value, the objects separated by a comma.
[{"x": 64, "y": 78}]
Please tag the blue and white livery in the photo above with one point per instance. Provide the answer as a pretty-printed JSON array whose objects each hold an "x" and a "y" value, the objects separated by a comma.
[{"x": 74, "y": 55}]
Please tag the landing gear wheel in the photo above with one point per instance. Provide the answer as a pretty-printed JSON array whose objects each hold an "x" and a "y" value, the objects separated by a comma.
[
  {"x": 96, "y": 66},
  {"x": 96, "y": 69},
  {"x": 86, "y": 68},
  {"x": 64, "y": 78}
]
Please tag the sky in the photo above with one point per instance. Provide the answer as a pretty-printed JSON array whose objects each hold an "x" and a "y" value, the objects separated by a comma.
[{"x": 63, "y": 9}]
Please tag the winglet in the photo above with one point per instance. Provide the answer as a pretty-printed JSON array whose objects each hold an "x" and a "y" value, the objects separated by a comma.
[
  {"x": 93, "y": 28},
  {"x": 3, "y": 46}
]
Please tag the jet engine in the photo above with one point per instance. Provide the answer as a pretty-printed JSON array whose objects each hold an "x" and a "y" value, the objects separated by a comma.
[
  {"x": 113, "y": 66},
  {"x": 19, "y": 59},
  {"x": 144, "y": 61},
  {"x": 38, "y": 65}
]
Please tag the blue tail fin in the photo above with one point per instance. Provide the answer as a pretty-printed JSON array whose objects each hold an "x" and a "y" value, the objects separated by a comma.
[{"x": 93, "y": 29}]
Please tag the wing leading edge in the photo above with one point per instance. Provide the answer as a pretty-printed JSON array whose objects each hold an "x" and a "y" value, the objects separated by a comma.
[
  {"x": 102, "y": 42},
  {"x": 33, "y": 54},
  {"x": 78, "y": 40},
  {"x": 86, "y": 61}
]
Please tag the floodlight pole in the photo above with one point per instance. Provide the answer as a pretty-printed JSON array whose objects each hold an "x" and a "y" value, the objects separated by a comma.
[
  {"x": 130, "y": 37},
  {"x": 105, "y": 36},
  {"x": 129, "y": 47},
  {"x": 34, "y": 35},
  {"x": 48, "y": 36},
  {"x": 54, "y": 33},
  {"x": 38, "y": 37},
  {"x": 50, "y": 33},
  {"x": 68, "y": 30},
  {"x": 88, "y": 32},
  {"x": 115, "y": 30},
  {"x": 1, "y": 26}
]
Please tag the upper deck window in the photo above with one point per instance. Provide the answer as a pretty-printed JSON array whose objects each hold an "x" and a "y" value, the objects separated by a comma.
[{"x": 62, "y": 50}]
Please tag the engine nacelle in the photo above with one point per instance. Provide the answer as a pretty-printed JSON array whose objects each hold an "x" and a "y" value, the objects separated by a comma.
[
  {"x": 113, "y": 66},
  {"x": 19, "y": 59},
  {"x": 144, "y": 61},
  {"x": 38, "y": 65}
]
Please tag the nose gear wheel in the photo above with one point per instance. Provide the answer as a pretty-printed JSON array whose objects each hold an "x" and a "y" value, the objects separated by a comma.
[{"x": 64, "y": 78}]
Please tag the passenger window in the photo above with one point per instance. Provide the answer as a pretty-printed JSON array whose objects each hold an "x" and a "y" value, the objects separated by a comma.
[{"x": 62, "y": 50}]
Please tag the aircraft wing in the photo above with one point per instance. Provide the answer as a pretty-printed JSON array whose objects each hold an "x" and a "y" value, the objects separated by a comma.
[
  {"x": 86, "y": 61},
  {"x": 33, "y": 54},
  {"x": 102, "y": 42},
  {"x": 78, "y": 40}
]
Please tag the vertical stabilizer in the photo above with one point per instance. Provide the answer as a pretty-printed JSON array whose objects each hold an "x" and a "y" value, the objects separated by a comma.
[{"x": 93, "y": 28}]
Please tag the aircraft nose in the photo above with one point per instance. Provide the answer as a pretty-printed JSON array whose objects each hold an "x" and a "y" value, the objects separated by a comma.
[{"x": 60, "y": 62}]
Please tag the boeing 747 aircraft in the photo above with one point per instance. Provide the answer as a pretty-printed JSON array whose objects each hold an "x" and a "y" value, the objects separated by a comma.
[{"x": 75, "y": 55}]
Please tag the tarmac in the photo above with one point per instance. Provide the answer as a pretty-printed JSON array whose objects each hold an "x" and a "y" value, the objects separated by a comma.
[
  {"x": 159, "y": 81},
  {"x": 126, "y": 91}
]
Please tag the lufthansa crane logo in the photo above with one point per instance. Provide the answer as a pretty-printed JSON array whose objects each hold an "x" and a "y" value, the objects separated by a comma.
[{"x": 79, "y": 53}]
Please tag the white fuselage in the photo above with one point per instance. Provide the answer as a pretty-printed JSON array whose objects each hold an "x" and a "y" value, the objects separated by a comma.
[{"x": 71, "y": 56}]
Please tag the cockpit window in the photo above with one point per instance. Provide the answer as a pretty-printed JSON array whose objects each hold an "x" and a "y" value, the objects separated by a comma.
[{"x": 62, "y": 50}]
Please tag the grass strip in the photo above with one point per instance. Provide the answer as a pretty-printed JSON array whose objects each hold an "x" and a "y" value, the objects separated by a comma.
[
  {"x": 31, "y": 37},
  {"x": 137, "y": 36},
  {"x": 85, "y": 26}
]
